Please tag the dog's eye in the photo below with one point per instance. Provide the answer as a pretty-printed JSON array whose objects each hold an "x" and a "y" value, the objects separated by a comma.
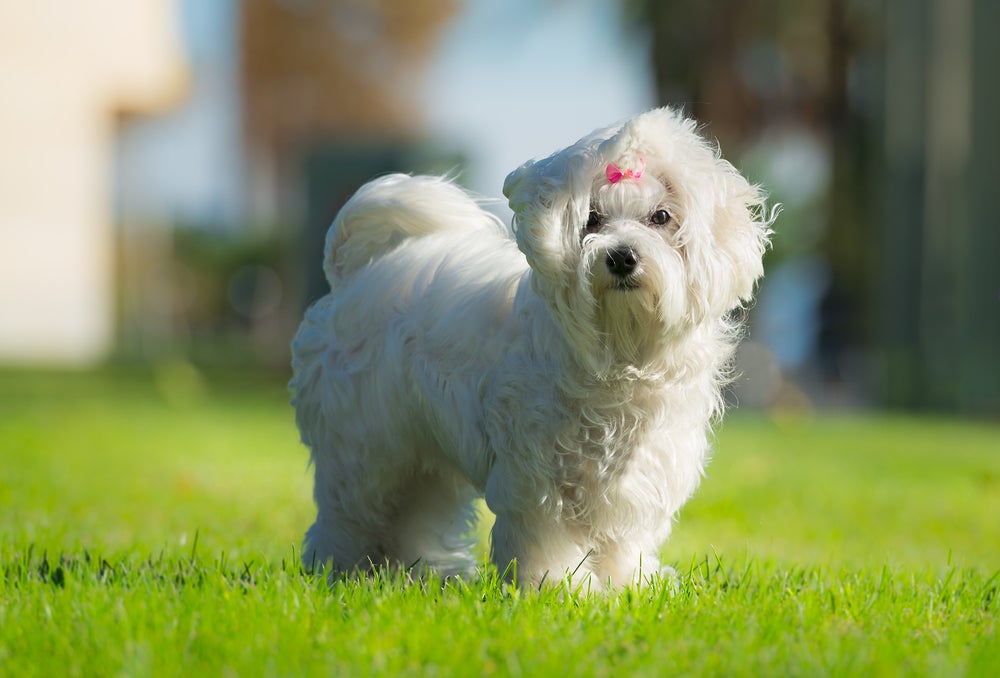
[
  {"x": 593, "y": 222},
  {"x": 659, "y": 217}
]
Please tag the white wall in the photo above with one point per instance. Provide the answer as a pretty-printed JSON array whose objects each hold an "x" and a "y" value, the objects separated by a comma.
[{"x": 65, "y": 68}]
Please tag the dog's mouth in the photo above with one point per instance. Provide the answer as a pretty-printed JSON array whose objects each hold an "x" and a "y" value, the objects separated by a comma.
[{"x": 626, "y": 284}]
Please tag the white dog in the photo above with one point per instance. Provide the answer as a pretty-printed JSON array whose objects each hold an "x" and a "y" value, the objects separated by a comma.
[{"x": 568, "y": 371}]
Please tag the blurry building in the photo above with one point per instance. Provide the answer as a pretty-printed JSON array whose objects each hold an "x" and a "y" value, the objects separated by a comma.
[
  {"x": 330, "y": 99},
  {"x": 157, "y": 157},
  {"x": 66, "y": 70}
]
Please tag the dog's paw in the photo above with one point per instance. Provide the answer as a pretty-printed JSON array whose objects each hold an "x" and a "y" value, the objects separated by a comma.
[{"x": 667, "y": 578}]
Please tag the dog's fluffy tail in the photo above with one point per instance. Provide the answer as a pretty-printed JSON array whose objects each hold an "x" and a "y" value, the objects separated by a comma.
[{"x": 384, "y": 212}]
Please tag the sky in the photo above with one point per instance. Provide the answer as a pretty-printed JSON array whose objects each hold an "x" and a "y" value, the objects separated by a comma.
[
  {"x": 510, "y": 81},
  {"x": 520, "y": 79},
  {"x": 184, "y": 165}
]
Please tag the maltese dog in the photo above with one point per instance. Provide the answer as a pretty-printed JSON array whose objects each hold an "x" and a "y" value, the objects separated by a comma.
[{"x": 568, "y": 370}]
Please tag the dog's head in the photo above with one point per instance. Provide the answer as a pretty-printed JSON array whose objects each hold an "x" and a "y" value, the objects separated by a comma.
[{"x": 637, "y": 235}]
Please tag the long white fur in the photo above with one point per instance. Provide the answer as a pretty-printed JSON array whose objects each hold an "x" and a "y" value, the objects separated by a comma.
[{"x": 454, "y": 359}]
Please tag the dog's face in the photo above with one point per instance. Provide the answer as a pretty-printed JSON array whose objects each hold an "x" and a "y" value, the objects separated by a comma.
[{"x": 637, "y": 236}]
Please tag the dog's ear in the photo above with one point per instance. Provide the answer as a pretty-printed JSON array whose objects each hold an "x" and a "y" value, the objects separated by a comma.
[
  {"x": 551, "y": 199},
  {"x": 728, "y": 223},
  {"x": 546, "y": 197},
  {"x": 730, "y": 232},
  {"x": 741, "y": 228},
  {"x": 519, "y": 188},
  {"x": 533, "y": 215}
]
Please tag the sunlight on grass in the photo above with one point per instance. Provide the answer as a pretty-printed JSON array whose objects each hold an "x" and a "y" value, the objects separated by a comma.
[
  {"x": 127, "y": 467},
  {"x": 150, "y": 523},
  {"x": 863, "y": 491}
]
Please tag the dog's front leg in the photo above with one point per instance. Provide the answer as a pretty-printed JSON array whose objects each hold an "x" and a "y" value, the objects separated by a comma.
[
  {"x": 540, "y": 550},
  {"x": 628, "y": 562}
]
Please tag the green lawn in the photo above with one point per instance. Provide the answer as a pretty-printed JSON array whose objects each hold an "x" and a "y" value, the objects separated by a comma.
[{"x": 149, "y": 524}]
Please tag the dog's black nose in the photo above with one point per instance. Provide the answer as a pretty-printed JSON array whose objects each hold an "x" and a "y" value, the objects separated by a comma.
[{"x": 622, "y": 261}]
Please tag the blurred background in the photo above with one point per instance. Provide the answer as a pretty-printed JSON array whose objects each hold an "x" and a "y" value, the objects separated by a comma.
[{"x": 168, "y": 168}]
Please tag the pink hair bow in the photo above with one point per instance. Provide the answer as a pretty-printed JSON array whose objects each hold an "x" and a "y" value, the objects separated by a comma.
[{"x": 616, "y": 174}]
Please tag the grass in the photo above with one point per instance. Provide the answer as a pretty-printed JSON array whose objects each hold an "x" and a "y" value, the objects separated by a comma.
[{"x": 149, "y": 526}]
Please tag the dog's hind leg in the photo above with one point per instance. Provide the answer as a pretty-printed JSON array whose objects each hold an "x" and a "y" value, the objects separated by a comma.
[
  {"x": 356, "y": 506},
  {"x": 348, "y": 538},
  {"x": 434, "y": 525},
  {"x": 339, "y": 541}
]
